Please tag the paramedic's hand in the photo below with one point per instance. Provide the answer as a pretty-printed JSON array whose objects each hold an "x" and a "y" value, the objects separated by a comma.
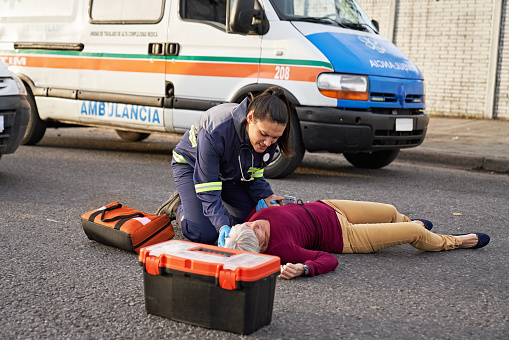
[
  {"x": 261, "y": 204},
  {"x": 274, "y": 200},
  {"x": 224, "y": 232},
  {"x": 291, "y": 270}
]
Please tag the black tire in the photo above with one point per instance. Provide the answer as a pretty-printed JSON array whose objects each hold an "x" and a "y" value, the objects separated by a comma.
[
  {"x": 36, "y": 126},
  {"x": 281, "y": 166},
  {"x": 132, "y": 136},
  {"x": 371, "y": 160}
]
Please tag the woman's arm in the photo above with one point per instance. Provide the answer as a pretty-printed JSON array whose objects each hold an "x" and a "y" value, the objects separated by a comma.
[
  {"x": 208, "y": 185},
  {"x": 295, "y": 257}
]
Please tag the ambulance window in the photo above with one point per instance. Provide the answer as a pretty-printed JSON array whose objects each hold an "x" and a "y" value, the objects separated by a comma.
[
  {"x": 126, "y": 11},
  {"x": 209, "y": 11}
]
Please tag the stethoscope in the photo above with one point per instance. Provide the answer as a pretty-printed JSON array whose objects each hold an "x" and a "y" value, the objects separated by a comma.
[{"x": 246, "y": 146}]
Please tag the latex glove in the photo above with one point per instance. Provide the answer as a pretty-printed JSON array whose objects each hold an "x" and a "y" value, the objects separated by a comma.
[
  {"x": 224, "y": 232},
  {"x": 261, "y": 204}
]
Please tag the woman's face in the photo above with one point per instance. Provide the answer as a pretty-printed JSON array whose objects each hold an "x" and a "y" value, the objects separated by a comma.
[
  {"x": 261, "y": 229},
  {"x": 263, "y": 133}
]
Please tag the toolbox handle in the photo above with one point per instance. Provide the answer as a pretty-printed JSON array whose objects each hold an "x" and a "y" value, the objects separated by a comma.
[
  {"x": 120, "y": 217},
  {"x": 213, "y": 251}
]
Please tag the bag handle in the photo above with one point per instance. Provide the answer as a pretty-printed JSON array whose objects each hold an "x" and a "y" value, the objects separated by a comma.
[{"x": 120, "y": 217}]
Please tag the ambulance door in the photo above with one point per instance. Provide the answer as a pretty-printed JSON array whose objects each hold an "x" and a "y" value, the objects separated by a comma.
[
  {"x": 209, "y": 65},
  {"x": 122, "y": 65}
]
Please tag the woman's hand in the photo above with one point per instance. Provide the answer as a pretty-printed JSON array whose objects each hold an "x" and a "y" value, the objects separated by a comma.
[
  {"x": 273, "y": 198},
  {"x": 291, "y": 270}
]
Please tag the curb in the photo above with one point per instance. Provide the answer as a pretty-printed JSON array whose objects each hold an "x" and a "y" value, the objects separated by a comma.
[{"x": 458, "y": 160}]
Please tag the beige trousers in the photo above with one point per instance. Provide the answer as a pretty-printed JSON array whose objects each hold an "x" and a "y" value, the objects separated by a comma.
[{"x": 368, "y": 227}]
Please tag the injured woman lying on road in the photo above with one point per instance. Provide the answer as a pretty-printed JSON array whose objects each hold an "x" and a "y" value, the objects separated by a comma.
[{"x": 304, "y": 235}]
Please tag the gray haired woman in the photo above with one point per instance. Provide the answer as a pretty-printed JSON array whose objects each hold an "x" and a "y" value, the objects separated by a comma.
[{"x": 304, "y": 235}]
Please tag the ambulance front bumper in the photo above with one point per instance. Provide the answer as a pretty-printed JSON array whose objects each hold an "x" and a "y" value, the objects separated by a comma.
[{"x": 338, "y": 130}]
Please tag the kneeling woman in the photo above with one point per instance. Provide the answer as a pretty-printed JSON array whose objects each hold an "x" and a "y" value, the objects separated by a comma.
[
  {"x": 304, "y": 235},
  {"x": 219, "y": 163}
]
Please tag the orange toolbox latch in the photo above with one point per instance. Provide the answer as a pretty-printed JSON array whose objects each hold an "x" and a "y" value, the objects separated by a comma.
[
  {"x": 227, "y": 279},
  {"x": 152, "y": 264}
]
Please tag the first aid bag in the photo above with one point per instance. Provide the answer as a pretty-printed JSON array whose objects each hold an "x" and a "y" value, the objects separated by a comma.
[
  {"x": 209, "y": 286},
  {"x": 126, "y": 228}
]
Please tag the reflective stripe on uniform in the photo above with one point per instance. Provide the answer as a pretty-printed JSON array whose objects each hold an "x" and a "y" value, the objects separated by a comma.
[
  {"x": 192, "y": 136},
  {"x": 179, "y": 158},
  {"x": 210, "y": 186},
  {"x": 256, "y": 172}
]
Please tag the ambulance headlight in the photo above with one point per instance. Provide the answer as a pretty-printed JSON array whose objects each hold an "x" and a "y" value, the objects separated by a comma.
[{"x": 343, "y": 86}]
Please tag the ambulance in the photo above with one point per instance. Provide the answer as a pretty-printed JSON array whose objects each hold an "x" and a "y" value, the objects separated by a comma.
[{"x": 141, "y": 67}]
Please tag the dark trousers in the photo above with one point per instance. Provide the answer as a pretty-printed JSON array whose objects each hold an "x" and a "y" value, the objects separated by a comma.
[{"x": 195, "y": 225}]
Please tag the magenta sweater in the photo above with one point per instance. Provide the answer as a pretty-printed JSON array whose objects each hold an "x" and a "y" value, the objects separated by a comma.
[{"x": 293, "y": 235}]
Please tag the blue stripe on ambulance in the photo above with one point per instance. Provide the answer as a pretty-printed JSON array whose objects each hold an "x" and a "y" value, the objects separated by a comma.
[{"x": 389, "y": 70}]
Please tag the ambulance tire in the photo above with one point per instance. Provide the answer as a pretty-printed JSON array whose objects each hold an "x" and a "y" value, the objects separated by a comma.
[
  {"x": 281, "y": 166},
  {"x": 132, "y": 136},
  {"x": 371, "y": 160},
  {"x": 36, "y": 126}
]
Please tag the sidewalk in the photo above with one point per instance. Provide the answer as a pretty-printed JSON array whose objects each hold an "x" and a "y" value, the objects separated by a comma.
[{"x": 464, "y": 143}]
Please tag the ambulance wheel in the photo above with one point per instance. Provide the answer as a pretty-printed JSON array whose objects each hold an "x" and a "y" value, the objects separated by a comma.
[
  {"x": 371, "y": 160},
  {"x": 36, "y": 126},
  {"x": 281, "y": 166},
  {"x": 132, "y": 136}
]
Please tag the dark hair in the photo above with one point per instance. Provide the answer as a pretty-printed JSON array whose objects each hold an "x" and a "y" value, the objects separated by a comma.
[{"x": 273, "y": 105}]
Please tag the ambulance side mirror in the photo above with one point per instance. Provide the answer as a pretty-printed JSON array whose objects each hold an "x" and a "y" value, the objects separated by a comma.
[
  {"x": 376, "y": 25},
  {"x": 246, "y": 17}
]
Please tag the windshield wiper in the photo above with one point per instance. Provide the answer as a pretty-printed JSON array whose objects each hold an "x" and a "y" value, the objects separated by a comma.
[
  {"x": 324, "y": 20},
  {"x": 357, "y": 26}
]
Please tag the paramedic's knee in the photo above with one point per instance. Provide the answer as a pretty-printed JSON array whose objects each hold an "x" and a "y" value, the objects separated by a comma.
[{"x": 206, "y": 235}]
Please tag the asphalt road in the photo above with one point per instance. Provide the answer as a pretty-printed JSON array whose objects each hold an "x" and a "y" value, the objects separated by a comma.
[{"x": 57, "y": 284}]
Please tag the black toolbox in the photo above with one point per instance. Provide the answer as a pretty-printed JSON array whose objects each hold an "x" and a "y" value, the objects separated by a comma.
[{"x": 209, "y": 286}]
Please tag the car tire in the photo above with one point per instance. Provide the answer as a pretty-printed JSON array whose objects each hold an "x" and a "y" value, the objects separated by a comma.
[{"x": 36, "y": 126}]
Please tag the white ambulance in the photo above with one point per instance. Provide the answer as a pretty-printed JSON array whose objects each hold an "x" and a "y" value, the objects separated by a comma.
[{"x": 156, "y": 65}]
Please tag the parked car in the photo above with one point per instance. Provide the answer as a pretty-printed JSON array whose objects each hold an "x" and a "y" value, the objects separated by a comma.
[{"x": 14, "y": 110}]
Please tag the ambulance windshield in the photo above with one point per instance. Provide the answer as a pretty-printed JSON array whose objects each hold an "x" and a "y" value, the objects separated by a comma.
[{"x": 344, "y": 13}]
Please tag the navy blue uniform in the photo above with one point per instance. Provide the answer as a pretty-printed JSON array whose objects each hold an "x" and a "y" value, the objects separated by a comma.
[{"x": 207, "y": 173}]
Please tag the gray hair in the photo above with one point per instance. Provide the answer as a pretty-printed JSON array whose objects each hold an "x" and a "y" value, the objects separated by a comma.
[{"x": 242, "y": 238}]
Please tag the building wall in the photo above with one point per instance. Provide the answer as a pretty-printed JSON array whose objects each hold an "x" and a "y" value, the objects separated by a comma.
[
  {"x": 502, "y": 89},
  {"x": 451, "y": 43}
]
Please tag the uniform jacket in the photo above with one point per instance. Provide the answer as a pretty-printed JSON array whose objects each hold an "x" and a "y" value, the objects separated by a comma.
[{"x": 211, "y": 147}]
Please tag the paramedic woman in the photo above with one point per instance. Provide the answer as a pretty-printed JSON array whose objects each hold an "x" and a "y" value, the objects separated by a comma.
[{"x": 218, "y": 165}]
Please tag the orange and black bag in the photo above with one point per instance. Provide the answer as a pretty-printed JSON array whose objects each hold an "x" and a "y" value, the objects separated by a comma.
[{"x": 126, "y": 228}]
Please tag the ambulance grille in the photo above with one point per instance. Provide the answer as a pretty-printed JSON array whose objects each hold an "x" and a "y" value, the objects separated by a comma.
[
  {"x": 390, "y": 111},
  {"x": 384, "y": 97},
  {"x": 397, "y": 138},
  {"x": 392, "y": 98}
]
